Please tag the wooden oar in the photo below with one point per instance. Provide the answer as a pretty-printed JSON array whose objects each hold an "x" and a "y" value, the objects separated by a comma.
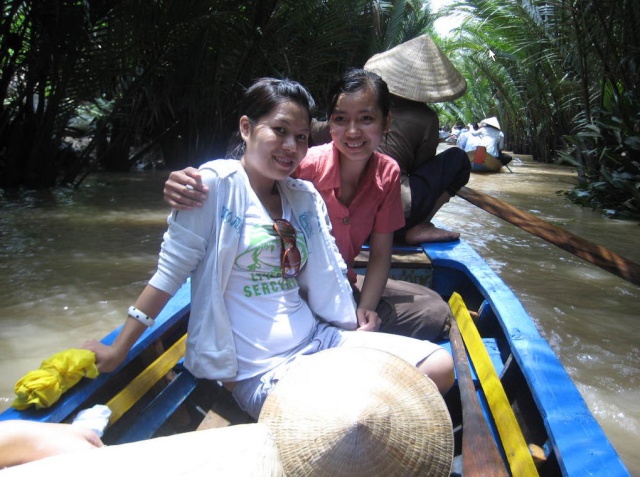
[
  {"x": 589, "y": 251},
  {"x": 480, "y": 455}
]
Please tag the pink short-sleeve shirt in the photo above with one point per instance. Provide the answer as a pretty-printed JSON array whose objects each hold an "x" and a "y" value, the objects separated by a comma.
[{"x": 376, "y": 207}]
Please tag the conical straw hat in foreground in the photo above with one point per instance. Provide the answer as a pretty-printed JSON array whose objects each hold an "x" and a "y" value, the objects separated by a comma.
[{"x": 358, "y": 411}]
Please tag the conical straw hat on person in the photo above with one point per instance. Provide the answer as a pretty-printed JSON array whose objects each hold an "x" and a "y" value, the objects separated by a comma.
[
  {"x": 418, "y": 70},
  {"x": 358, "y": 411},
  {"x": 492, "y": 121}
]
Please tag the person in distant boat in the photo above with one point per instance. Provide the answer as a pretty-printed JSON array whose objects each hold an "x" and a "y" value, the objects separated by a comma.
[
  {"x": 416, "y": 73},
  {"x": 490, "y": 135},
  {"x": 267, "y": 282},
  {"x": 466, "y": 141},
  {"x": 27, "y": 441}
]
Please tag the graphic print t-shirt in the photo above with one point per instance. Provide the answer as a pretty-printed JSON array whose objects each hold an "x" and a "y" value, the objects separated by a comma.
[{"x": 268, "y": 316}]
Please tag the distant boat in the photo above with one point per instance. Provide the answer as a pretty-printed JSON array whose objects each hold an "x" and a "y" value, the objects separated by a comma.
[{"x": 482, "y": 161}]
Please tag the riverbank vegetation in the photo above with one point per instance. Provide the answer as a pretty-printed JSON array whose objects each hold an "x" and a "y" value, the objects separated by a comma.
[
  {"x": 114, "y": 84},
  {"x": 563, "y": 77}
]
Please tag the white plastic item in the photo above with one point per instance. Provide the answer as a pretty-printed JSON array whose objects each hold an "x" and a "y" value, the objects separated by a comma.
[{"x": 95, "y": 418}]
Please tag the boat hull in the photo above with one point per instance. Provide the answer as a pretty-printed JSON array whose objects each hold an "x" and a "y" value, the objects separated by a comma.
[{"x": 550, "y": 411}]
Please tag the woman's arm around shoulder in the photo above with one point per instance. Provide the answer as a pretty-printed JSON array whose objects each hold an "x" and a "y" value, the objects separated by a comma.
[{"x": 184, "y": 189}]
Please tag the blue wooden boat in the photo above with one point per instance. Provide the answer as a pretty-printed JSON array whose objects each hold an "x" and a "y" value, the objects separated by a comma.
[{"x": 151, "y": 394}]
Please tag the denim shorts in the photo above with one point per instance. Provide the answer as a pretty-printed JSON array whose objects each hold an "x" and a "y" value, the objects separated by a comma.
[{"x": 251, "y": 393}]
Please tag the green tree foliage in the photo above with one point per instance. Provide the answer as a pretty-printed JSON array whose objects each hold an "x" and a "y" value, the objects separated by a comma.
[
  {"x": 132, "y": 76},
  {"x": 163, "y": 75},
  {"x": 562, "y": 76}
]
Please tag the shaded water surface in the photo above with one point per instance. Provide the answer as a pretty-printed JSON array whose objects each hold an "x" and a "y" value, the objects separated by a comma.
[{"x": 72, "y": 262}]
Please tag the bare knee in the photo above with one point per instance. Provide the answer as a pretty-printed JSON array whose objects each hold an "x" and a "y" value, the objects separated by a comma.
[{"x": 439, "y": 367}]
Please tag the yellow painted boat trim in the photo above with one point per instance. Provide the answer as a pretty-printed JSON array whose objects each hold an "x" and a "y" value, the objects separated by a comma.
[
  {"x": 513, "y": 442},
  {"x": 125, "y": 399}
]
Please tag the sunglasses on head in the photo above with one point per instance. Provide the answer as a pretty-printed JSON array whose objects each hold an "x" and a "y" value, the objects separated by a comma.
[{"x": 289, "y": 255}]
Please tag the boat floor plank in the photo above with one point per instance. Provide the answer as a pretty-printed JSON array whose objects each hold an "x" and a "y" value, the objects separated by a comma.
[{"x": 223, "y": 412}]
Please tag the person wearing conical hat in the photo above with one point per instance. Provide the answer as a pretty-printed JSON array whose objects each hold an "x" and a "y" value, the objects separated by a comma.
[
  {"x": 417, "y": 72},
  {"x": 490, "y": 136}
]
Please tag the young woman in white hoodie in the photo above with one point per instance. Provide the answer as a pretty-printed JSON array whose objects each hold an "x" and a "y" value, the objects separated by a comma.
[{"x": 267, "y": 282}]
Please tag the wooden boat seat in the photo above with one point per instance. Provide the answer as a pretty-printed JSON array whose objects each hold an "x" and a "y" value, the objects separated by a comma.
[
  {"x": 408, "y": 263},
  {"x": 224, "y": 412},
  {"x": 408, "y": 256}
]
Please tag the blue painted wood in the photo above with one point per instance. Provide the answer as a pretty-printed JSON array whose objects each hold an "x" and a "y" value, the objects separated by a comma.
[
  {"x": 578, "y": 441},
  {"x": 72, "y": 402},
  {"x": 160, "y": 409},
  {"x": 494, "y": 353}
]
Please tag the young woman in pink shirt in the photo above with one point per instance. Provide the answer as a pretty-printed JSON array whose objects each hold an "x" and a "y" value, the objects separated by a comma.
[{"x": 361, "y": 188}]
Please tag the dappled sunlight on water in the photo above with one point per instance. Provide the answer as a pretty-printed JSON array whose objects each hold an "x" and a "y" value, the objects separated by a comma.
[{"x": 72, "y": 262}]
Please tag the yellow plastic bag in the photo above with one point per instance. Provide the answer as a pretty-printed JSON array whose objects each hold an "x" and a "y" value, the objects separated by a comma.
[{"x": 43, "y": 387}]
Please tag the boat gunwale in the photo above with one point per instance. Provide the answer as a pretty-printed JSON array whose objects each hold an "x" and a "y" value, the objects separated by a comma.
[
  {"x": 578, "y": 441},
  {"x": 71, "y": 402}
]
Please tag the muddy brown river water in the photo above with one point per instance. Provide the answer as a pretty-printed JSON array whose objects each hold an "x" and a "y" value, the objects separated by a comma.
[{"x": 72, "y": 262}]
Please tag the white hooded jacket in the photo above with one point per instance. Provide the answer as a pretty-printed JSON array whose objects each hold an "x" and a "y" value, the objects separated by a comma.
[{"x": 202, "y": 243}]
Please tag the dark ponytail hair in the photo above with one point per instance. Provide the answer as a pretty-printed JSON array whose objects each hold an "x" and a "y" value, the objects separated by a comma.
[{"x": 261, "y": 98}]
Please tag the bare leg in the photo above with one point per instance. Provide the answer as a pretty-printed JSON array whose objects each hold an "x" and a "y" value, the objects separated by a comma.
[
  {"x": 439, "y": 367},
  {"x": 427, "y": 232}
]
